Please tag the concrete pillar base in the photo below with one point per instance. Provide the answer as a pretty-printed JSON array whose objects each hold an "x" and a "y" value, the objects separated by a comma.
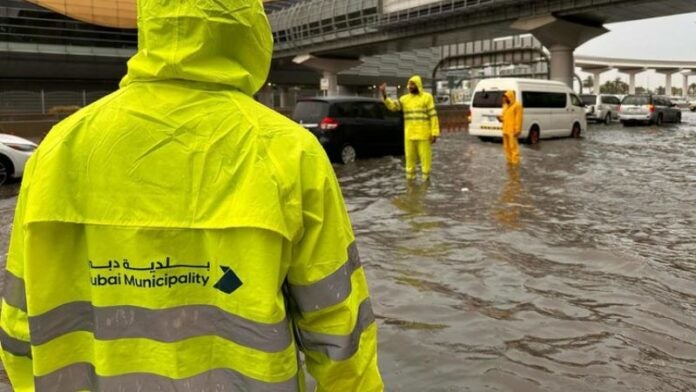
[{"x": 561, "y": 37}]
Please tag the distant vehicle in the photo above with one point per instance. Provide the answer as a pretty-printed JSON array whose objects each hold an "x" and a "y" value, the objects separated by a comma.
[
  {"x": 14, "y": 153},
  {"x": 692, "y": 105},
  {"x": 602, "y": 107},
  {"x": 648, "y": 109},
  {"x": 551, "y": 109},
  {"x": 352, "y": 127},
  {"x": 680, "y": 102},
  {"x": 442, "y": 99}
]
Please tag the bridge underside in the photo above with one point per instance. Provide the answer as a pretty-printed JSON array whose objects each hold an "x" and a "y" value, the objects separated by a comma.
[{"x": 429, "y": 29}]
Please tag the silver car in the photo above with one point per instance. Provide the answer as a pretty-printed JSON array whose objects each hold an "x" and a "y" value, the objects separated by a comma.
[
  {"x": 650, "y": 109},
  {"x": 602, "y": 107}
]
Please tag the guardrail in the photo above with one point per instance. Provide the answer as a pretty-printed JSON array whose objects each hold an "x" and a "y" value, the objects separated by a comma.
[{"x": 453, "y": 118}]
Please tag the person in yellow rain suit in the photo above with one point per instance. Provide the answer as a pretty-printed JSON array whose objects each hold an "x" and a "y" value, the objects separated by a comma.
[
  {"x": 178, "y": 236},
  {"x": 421, "y": 125},
  {"x": 511, "y": 118}
]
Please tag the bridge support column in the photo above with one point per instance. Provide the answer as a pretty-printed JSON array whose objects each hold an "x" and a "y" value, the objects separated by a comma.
[
  {"x": 668, "y": 78},
  {"x": 284, "y": 97},
  {"x": 685, "y": 85},
  {"x": 596, "y": 74},
  {"x": 331, "y": 83},
  {"x": 561, "y": 37},
  {"x": 632, "y": 72},
  {"x": 329, "y": 67}
]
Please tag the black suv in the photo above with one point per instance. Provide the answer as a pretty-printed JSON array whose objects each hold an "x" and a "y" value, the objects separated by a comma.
[{"x": 352, "y": 127}]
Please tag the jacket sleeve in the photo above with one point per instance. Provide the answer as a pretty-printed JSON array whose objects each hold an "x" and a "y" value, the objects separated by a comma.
[
  {"x": 432, "y": 114},
  {"x": 333, "y": 316},
  {"x": 393, "y": 105},
  {"x": 14, "y": 324}
]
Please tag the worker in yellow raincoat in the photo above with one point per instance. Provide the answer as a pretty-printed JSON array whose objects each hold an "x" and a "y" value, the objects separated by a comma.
[
  {"x": 421, "y": 125},
  {"x": 178, "y": 236},
  {"x": 511, "y": 118}
]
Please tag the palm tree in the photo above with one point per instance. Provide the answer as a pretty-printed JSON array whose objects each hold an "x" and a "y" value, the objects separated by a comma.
[{"x": 692, "y": 89}]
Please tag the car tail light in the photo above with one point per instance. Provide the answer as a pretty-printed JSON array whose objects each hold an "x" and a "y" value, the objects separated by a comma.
[
  {"x": 328, "y": 124},
  {"x": 619, "y": 109},
  {"x": 651, "y": 108}
]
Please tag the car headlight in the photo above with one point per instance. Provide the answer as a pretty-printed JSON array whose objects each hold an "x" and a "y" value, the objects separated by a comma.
[{"x": 21, "y": 147}]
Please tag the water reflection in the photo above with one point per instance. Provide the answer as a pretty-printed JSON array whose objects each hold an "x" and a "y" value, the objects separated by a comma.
[
  {"x": 413, "y": 201},
  {"x": 507, "y": 210}
]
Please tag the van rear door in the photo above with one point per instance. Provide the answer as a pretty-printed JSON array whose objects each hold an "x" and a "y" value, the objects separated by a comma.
[{"x": 486, "y": 106}]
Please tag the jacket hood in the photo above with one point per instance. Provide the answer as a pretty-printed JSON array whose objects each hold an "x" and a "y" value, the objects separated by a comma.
[
  {"x": 510, "y": 94},
  {"x": 418, "y": 81},
  {"x": 211, "y": 41}
]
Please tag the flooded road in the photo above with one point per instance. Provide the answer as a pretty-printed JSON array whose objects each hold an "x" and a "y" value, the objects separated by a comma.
[{"x": 574, "y": 273}]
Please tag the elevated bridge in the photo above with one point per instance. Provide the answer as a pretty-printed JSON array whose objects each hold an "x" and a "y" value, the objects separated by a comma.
[{"x": 328, "y": 34}]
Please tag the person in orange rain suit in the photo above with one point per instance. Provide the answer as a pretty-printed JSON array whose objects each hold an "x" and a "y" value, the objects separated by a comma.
[{"x": 511, "y": 118}]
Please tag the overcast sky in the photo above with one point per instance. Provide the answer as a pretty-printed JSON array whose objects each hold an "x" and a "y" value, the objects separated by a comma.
[{"x": 668, "y": 38}]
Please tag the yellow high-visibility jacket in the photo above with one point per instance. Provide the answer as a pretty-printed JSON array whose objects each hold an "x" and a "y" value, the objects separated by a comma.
[
  {"x": 512, "y": 115},
  {"x": 420, "y": 117},
  {"x": 178, "y": 236}
]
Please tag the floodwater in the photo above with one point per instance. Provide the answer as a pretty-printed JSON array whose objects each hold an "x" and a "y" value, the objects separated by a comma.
[{"x": 575, "y": 272}]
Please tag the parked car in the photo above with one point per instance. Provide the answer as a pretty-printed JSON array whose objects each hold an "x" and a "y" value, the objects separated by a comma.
[
  {"x": 551, "y": 109},
  {"x": 602, "y": 107},
  {"x": 14, "y": 153},
  {"x": 680, "y": 102},
  {"x": 650, "y": 109},
  {"x": 692, "y": 105},
  {"x": 352, "y": 127}
]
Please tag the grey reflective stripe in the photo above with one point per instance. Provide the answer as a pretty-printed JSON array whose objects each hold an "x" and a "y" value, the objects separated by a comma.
[
  {"x": 14, "y": 346},
  {"x": 339, "y": 348},
  {"x": 329, "y": 291},
  {"x": 164, "y": 325},
  {"x": 82, "y": 376},
  {"x": 14, "y": 291}
]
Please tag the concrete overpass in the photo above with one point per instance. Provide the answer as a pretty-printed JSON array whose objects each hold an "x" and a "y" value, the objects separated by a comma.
[
  {"x": 598, "y": 65},
  {"x": 329, "y": 34}
]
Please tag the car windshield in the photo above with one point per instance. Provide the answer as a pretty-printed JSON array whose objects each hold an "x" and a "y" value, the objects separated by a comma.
[
  {"x": 310, "y": 112},
  {"x": 488, "y": 99},
  {"x": 637, "y": 100},
  {"x": 589, "y": 100}
]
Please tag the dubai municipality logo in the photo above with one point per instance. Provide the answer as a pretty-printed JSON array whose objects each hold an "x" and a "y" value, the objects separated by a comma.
[
  {"x": 161, "y": 274},
  {"x": 229, "y": 281}
]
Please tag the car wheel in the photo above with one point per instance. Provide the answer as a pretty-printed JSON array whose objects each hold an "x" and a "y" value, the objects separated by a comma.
[
  {"x": 348, "y": 154},
  {"x": 607, "y": 119},
  {"x": 658, "y": 121},
  {"x": 4, "y": 170},
  {"x": 575, "y": 132},
  {"x": 534, "y": 136},
  {"x": 485, "y": 139},
  {"x": 678, "y": 118},
  {"x": 693, "y": 109}
]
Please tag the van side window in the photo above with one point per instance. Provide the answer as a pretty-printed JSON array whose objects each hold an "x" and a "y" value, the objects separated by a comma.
[
  {"x": 576, "y": 101},
  {"x": 534, "y": 99}
]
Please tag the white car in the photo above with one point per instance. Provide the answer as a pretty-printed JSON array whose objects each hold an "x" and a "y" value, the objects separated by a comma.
[
  {"x": 14, "y": 153},
  {"x": 692, "y": 105}
]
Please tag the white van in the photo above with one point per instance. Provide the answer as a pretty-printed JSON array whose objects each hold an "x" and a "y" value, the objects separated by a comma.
[{"x": 551, "y": 109}]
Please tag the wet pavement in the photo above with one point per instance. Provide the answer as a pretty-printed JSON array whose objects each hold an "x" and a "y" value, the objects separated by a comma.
[{"x": 573, "y": 273}]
